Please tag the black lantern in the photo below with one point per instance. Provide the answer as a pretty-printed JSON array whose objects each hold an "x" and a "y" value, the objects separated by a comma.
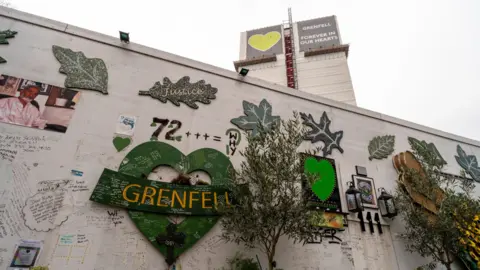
[
  {"x": 386, "y": 204},
  {"x": 354, "y": 198}
]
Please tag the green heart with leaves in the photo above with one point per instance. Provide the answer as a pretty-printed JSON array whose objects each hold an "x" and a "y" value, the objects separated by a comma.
[
  {"x": 324, "y": 172},
  {"x": 147, "y": 156}
]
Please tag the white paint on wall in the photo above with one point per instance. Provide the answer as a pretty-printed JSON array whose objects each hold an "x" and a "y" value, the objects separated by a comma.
[{"x": 113, "y": 240}]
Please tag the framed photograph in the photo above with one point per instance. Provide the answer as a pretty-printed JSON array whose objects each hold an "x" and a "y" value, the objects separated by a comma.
[{"x": 367, "y": 188}]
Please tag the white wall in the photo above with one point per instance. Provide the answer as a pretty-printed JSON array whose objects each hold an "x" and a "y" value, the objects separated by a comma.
[{"x": 87, "y": 146}]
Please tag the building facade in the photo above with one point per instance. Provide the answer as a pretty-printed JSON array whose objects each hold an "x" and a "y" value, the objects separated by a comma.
[
  {"x": 78, "y": 108},
  {"x": 308, "y": 56}
]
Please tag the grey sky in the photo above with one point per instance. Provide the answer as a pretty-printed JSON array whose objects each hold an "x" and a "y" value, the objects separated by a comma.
[{"x": 416, "y": 60}]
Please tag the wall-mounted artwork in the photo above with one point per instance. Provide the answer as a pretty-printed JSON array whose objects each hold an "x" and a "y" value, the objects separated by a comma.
[
  {"x": 367, "y": 189},
  {"x": 254, "y": 115},
  {"x": 332, "y": 203},
  {"x": 321, "y": 133},
  {"x": 170, "y": 196},
  {"x": 381, "y": 147},
  {"x": 423, "y": 146},
  {"x": 82, "y": 72},
  {"x": 182, "y": 91},
  {"x": 4, "y": 35},
  {"x": 34, "y": 104},
  {"x": 126, "y": 125},
  {"x": 468, "y": 163},
  {"x": 328, "y": 220}
]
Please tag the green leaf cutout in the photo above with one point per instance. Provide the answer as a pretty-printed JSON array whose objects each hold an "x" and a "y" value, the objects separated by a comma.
[
  {"x": 82, "y": 72},
  {"x": 182, "y": 91},
  {"x": 423, "y": 146},
  {"x": 321, "y": 132},
  {"x": 381, "y": 147},
  {"x": 468, "y": 163},
  {"x": 4, "y": 36},
  {"x": 254, "y": 115}
]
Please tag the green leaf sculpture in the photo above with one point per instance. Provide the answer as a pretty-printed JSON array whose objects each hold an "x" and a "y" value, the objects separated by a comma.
[
  {"x": 82, "y": 72},
  {"x": 381, "y": 147},
  {"x": 4, "y": 35},
  {"x": 468, "y": 163},
  {"x": 424, "y": 147},
  {"x": 321, "y": 132},
  {"x": 254, "y": 115},
  {"x": 182, "y": 91}
]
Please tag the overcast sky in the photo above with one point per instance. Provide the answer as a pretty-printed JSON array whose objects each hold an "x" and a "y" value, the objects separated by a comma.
[{"x": 415, "y": 60}]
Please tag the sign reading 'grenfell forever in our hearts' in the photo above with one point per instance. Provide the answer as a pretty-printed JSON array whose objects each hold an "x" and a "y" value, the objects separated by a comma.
[{"x": 122, "y": 190}]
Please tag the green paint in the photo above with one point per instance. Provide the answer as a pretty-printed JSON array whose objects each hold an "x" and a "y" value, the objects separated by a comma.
[
  {"x": 121, "y": 143},
  {"x": 381, "y": 147},
  {"x": 178, "y": 138},
  {"x": 147, "y": 156},
  {"x": 324, "y": 185},
  {"x": 133, "y": 193},
  {"x": 182, "y": 91},
  {"x": 4, "y": 36},
  {"x": 255, "y": 115},
  {"x": 82, "y": 72},
  {"x": 321, "y": 133},
  {"x": 423, "y": 146},
  {"x": 153, "y": 124},
  {"x": 468, "y": 163}
]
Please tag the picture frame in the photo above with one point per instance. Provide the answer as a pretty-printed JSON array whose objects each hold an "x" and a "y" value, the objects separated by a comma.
[{"x": 366, "y": 185}]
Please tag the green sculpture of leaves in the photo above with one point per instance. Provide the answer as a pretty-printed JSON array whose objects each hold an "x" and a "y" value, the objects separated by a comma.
[
  {"x": 320, "y": 132},
  {"x": 4, "y": 35},
  {"x": 424, "y": 147},
  {"x": 82, "y": 72},
  {"x": 468, "y": 163},
  {"x": 381, "y": 147},
  {"x": 255, "y": 115}
]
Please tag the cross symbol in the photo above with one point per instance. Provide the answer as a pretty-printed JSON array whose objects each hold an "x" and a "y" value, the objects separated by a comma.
[
  {"x": 206, "y": 136},
  {"x": 172, "y": 240},
  {"x": 188, "y": 133},
  {"x": 197, "y": 135}
]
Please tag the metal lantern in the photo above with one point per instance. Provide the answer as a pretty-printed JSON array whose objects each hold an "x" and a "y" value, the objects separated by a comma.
[
  {"x": 386, "y": 204},
  {"x": 354, "y": 198}
]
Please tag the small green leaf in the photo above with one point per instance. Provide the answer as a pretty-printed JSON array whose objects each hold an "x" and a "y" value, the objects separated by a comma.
[
  {"x": 381, "y": 147},
  {"x": 153, "y": 124},
  {"x": 178, "y": 138}
]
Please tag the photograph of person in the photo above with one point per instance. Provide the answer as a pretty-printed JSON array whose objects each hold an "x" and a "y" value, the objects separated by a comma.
[{"x": 37, "y": 105}]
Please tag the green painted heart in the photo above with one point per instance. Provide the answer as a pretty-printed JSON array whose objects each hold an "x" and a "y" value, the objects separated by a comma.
[
  {"x": 121, "y": 143},
  {"x": 324, "y": 172},
  {"x": 147, "y": 156}
]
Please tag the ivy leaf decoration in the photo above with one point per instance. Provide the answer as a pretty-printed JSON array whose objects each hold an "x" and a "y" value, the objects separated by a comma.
[
  {"x": 468, "y": 163},
  {"x": 424, "y": 147},
  {"x": 82, "y": 72},
  {"x": 381, "y": 147},
  {"x": 255, "y": 115},
  {"x": 4, "y": 35},
  {"x": 321, "y": 132}
]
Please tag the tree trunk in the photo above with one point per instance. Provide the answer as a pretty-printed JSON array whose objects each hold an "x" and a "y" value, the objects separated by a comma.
[{"x": 270, "y": 261}]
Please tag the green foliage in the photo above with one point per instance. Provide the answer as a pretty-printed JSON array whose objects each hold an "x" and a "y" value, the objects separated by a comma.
[
  {"x": 267, "y": 190},
  {"x": 430, "y": 235},
  {"x": 39, "y": 268},
  {"x": 240, "y": 262}
]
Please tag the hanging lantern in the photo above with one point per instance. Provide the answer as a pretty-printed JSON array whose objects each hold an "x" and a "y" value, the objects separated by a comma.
[
  {"x": 386, "y": 204},
  {"x": 354, "y": 199}
]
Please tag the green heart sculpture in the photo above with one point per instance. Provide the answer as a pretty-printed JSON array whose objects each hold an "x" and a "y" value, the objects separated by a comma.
[
  {"x": 324, "y": 185},
  {"x": 145, "y": 157},
  {"x": 121, "y": 143}
]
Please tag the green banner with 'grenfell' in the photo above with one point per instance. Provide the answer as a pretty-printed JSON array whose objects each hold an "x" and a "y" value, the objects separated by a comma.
[{"x": 122, "y": 190}]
